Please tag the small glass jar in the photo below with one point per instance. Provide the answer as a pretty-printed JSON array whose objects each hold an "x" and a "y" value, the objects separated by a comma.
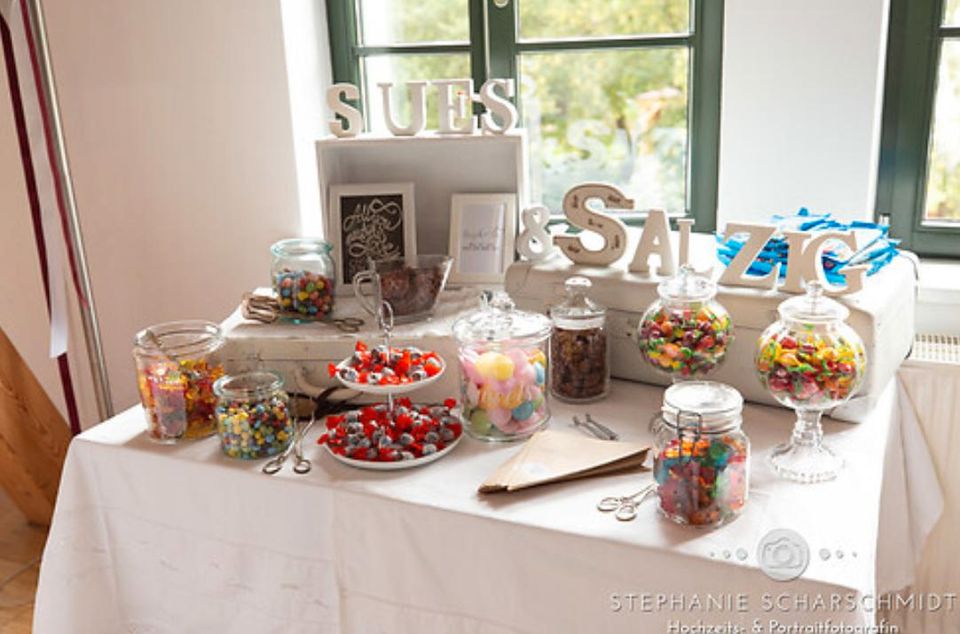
[
  {"x": 686, "y": 332},
  {"x": 253, "y": 415},
  {"x": 303, "y": 278},
  {"x": 702, "y": 460},
  {"x": 503, "y": 370},
  {"x": 177, "y": 365},
  {"x": 810, "y": 360},
  {"x": 579, "y": 356}
]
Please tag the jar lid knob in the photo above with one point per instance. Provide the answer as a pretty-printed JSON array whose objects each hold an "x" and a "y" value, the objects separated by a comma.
[{"x": 577, "y": 286}]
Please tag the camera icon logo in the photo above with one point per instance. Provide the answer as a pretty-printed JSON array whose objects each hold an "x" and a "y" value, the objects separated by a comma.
[{"x": 783, "y": 554}]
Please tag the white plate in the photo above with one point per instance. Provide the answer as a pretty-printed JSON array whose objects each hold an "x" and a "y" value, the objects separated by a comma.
[
  {"x": 374, "y": 465},
  {"x": 366, "y": 388}
]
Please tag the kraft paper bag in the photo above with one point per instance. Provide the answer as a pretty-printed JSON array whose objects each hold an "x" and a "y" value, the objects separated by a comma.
[{"x": 552, "y": 456}]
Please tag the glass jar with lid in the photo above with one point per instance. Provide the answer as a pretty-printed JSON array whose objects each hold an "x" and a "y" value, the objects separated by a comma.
[
  {"x": 253, "y": 415},
  {"x": 685, "y": 332},
  {"x": 810, "y": 360},
  {"x": 579, "y": 356},
  {"x": 503, "y": 370},
  {"x": 177, "y": 365},
  {"x": 702, "y": 460},
  {"x": 303, "y": 278}
]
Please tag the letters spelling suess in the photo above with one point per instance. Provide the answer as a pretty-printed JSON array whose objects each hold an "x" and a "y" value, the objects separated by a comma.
[
  {"x": 803, "y": 262},
  {"x": 453, "y": 107}
]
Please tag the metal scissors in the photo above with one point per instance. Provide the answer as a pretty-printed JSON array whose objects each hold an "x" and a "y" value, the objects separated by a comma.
[
  {"x": 300, "y": 465},
  {"x": 624, "y": 508}
]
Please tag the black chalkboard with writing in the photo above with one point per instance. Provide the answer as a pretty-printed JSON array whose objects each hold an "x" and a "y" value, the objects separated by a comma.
[{"x": 371, "y": 228}]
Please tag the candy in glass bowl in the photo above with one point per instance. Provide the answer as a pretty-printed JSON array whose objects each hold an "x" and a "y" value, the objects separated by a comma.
[
  {"x": 810, "y": 360},
  {"x": 503, "y": 370},
  {"x": 685, "y": 332}
]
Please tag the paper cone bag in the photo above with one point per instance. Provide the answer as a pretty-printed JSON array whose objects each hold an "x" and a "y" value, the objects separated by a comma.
[{"x": 553, "y": 456}]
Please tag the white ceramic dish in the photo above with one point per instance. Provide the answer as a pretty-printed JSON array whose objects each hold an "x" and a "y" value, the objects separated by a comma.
[
  {"x": 373, "y": 465},
  {"x": 383, "y": 390}
]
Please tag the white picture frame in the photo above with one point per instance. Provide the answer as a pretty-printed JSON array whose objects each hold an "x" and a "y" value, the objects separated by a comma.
[
  {"x": 483, "y": 230},
  {"x": 369, "y": 221}
]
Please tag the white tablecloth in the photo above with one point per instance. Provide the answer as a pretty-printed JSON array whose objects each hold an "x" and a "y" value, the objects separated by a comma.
[{"x": 181, "y": 539}]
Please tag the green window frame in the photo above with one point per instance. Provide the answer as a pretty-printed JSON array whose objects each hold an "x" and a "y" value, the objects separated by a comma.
[
  {"x": 915, "y": 39},
  {"x": 494, "y": 49}
]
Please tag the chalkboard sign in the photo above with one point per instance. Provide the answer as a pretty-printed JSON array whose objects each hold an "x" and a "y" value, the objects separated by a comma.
[
  {"x": 482, "y": 230},
  {"x": 369, "y": 222}
]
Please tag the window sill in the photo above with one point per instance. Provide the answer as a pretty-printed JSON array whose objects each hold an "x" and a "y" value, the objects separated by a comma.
[{"x": 939, "y": 281}]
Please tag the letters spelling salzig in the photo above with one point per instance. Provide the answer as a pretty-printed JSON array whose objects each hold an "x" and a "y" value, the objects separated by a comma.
[{"x": 804, "y": 260}]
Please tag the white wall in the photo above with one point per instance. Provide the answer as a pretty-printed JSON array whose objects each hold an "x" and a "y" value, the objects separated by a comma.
[
  {"x": 801, "y": 106},
  {"x": 191, "y": 149}
]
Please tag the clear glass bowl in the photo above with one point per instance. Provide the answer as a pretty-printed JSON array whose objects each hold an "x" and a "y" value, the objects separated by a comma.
[
  {"x": 503, "y": 370},
  {"x": 810, "y": 360},
  {"x": 686, "y": 332}
]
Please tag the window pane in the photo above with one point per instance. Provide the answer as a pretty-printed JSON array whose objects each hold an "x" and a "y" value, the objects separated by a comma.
[
  {"x": 407, "y": 21},
  {"x": 401, "y": 68},
  {"x": 576, "y": 18},
  {"x": 951, "y": 12},
  {"x": 943, "y": 167},
  {"x": 614, "y": 116}
]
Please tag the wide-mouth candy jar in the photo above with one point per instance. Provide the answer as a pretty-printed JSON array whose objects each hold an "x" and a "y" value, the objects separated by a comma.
[
  {"x": 303, "y": 278},
  {"x": 177, "y": 365},
  {"x": 253, "y": 415},
  {"x": 579, "y": 355},
  {"x": 702, "y": 460},
  {"x": 685, "y": 332},
  {"x": 503, "y": 370},
  {"x": 810, "y": 360}
]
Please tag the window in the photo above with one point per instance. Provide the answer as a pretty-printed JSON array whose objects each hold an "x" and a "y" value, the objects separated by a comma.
[
  {"x": 919, "y": 180},
  {"x": 622, "y": 91}
]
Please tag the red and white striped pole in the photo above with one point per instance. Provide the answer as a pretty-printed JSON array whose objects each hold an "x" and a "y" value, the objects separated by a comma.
[{"x": 50, "y": 190}]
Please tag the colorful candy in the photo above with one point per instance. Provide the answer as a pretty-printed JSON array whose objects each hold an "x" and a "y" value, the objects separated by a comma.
[
  {"x": 415, "y": 431},
  {"x": 685, "y": 341},
  {"x": 812, "y": 370},
  {"x": 382, "y": 366},
  {"x": 702, "y": 481},
  {"x": 303, "y": 295},
  {"x": 254, "y": 428},
  {"x": 178, "y": 397},
  {"x": 502, "y": 391}
]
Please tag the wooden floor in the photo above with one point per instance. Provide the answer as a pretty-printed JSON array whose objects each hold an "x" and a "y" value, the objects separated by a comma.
[{"x": 20, "y": 548}]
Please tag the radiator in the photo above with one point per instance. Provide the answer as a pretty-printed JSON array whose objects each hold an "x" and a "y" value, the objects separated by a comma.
[{"x": 931, "y": 378}]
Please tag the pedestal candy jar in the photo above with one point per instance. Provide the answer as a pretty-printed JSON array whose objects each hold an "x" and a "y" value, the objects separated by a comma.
[
  {"x": 579, "y": 356},
  {"x": 177, "y": 364},
  {"x": 253, "y": 415},
  {"x": 810, "y": 360},
  {"x": 503, "y": 370},
  {"x": 303, "y": 278},
  {"x": 686, "y": 332},
  {"x": 702, "y": 460}
]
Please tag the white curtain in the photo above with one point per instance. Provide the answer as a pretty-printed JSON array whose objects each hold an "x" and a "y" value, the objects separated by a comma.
[{"x": 933, "y": 390}]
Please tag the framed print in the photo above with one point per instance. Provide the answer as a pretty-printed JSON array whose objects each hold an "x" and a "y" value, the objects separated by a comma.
[
  {"x": 482, "y": 233},
  {"x": 369, "y": 222}
]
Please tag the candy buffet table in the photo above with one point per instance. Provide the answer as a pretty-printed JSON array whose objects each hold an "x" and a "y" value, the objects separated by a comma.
[{"x": 181, "y": 539}]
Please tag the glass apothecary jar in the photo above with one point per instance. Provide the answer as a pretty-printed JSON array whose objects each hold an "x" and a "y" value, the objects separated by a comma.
[
  {"x": 702, "y": 460},
  {"x": 503, "y": 370},
  {"x": 810, "y": 360},
  {"x": 253, "y": 415},
  {"x": 579, "y": 355},
  {"x": 303, "y": 278},
  {"x": 177, "y": 365},
  {"x": 685, "y": 332}
]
